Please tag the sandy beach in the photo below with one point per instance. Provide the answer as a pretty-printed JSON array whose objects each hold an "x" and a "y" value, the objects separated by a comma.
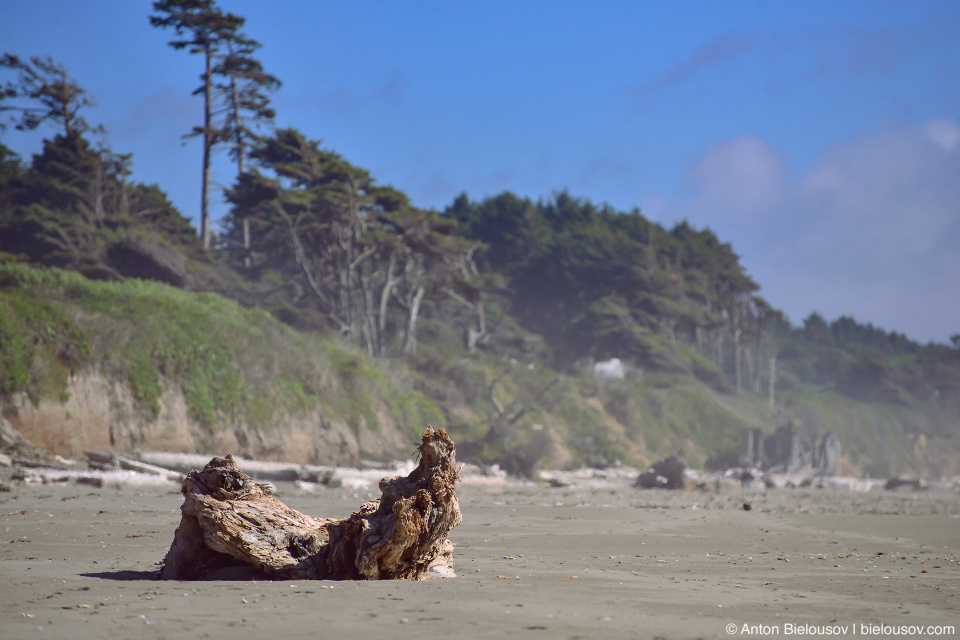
[{"x": 600, "y": 560}]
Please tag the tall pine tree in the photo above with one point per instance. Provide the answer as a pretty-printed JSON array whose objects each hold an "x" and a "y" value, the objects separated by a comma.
[
  {"x": 202, "y": 28},
  {"x": 242, "y": 97}
]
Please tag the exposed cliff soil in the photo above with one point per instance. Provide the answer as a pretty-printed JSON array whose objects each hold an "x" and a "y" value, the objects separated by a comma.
[{"x": 101, "y": 414}]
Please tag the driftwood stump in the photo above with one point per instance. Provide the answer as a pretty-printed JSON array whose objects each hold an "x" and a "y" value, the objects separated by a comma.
[{"x": 228, "y": 520}]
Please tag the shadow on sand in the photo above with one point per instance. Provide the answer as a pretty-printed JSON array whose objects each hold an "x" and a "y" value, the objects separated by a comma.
[
  {"x": 124, "y": 574},
  {"x": 229, "y": 573}
]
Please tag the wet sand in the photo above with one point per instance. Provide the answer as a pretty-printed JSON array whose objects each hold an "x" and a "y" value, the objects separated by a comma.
[{"x": 533, "y": 561}]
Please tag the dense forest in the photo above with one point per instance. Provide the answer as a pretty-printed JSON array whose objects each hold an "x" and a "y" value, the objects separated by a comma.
[{"x": 555, "y": 284}]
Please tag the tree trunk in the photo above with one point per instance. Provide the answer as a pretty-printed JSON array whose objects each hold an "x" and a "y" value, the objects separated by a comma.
[
  {"x": 738, "y": 358},
  {"x": 207, "y": 144},
  {"x": 228, "y": 520},
  {"x": 370, "y": 324},
  {"x": 389, "y": 285},
  {"x": 238, "y": 143},
  {"x": 474, "y": 336},
  {"x": 237, "y": 124},
  {"x": 717, "y": 338},
  {"x": 246, "y": 243},
  {"x": 413, "y": 312},
  {"x": 772, "y": 380}
]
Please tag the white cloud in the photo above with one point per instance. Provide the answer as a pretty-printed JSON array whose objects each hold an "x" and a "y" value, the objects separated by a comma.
[
  {"x": 890, "y": 196},
  {"x": 943, "y": 132},
  {"x": 871, "y": 230},
  {"x": 741, "y": 177}
]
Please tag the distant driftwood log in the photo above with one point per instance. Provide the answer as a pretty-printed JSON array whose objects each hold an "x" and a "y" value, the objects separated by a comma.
[{"x": 229, "y": 520}]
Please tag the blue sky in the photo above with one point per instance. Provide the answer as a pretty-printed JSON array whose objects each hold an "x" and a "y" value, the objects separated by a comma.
[{"x": 821, "y": 139}]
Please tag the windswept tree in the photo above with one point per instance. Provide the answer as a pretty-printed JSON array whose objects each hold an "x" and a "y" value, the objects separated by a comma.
[
  {"x": 355, "y": 253},
  {"x": 202, "y": 28},
  {"x": 426, "y": 257},
  {"x": 311, "y": 213},
  {"x": 242, "y": 96},
  {"x": 243, "y": 105},
  {"x": 43, "y": 92},
  {"x": 75, "y": 205},
  {"x": 470, "y": 287},
  {"x": 63, "y": 200}
]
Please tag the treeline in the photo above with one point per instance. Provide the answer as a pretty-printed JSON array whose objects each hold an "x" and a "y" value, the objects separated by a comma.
[
  {"x": 874, "y": 365},
  {"x": 316, "y": 241},
  {"x": 598, "y": 283}
]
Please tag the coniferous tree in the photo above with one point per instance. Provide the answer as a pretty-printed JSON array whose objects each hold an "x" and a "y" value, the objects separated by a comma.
[
  {"x": 340, "y": 246},
  {"x": 202, "y": 28},
  {"x": 43, "y": 91},
  {"x": 242, "y": 97},
  {"x": 60, "y": 209},
  {"x": 74, "y": 205},
  {"x": 623, "y": 285},
  {"x": 11, "y": 180},
  {"x": 243, "y": 105}
]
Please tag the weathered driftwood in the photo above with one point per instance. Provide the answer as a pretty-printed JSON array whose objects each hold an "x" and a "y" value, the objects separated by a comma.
[
  {"x": 229, "y": 520},
  {"x": 108, "y": 460}
]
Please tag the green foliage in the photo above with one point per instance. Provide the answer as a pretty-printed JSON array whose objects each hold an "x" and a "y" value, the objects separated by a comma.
[
  {"x": 415, "y": 410},
  {"x": 360, "y": 382},
  {"x": 587, "y": 432},
  {"x": 39, "y": 344},
  {"x": 499, "y": 306},
  {"x": 43, "y": 91},
  {"x": 145, "y": 383},
  {"x": 144, "y": 333},
  {"x": 872, "y": 365},
  {"x": 620, "y": 284},
  {"x": 341, "y": 248},
  {"x": 698, "y": 418},
  {"x": 74, "y": 208},
  {"x": 234, "y": 85}
]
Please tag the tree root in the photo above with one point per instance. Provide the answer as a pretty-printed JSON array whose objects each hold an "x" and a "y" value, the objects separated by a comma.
[{"x": 228, "y": 521}]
